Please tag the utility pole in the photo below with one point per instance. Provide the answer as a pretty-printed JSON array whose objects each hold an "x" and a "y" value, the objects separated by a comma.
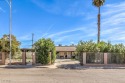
[
  {"x": 32, "y": 39},
  {"x": 10, "y": 29}
]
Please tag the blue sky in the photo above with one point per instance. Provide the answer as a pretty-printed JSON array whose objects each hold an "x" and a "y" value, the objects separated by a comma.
[{"x": 64, "y": 21}]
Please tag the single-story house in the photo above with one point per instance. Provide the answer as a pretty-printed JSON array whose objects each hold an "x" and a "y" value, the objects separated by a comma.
[
  {"x": 65, "y": 51},
  {"x": 61, "y": 51}
]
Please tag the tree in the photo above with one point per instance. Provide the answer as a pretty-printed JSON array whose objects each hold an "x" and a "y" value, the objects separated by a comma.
[
  {"x": 98, "y": 3},
  {"x": 43, "y": 48},
  {"x": 5, "y": 44}
]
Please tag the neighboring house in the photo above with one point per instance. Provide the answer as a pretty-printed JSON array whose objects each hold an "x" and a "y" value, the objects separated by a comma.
[{"x": 65, "y": 51}]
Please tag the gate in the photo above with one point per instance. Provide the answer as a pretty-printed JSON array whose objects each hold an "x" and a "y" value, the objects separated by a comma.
[{"x": 29, "y": 58}]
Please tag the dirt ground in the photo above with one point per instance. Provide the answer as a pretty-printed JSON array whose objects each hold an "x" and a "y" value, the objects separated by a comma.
[
  {"x": 61, "y": 75},
  {"x": 46, "y": 75}
]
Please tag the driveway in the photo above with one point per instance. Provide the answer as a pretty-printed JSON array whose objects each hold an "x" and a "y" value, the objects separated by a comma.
[{"x": 66, "y": 63}]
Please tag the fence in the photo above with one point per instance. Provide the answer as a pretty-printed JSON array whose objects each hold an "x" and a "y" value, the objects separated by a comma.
[
  {"x": 16, "y": 59},
  {"x": 96, "y": 58},
  {"x": 115, "y": 58},
  {"x": 19, "y": 58},
  {"x": 23, "y": 58},
  {"x": 101, "y": 58}
]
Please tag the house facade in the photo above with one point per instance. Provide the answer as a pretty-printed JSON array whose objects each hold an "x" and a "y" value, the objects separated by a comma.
[{"x": 65, "y": 51}]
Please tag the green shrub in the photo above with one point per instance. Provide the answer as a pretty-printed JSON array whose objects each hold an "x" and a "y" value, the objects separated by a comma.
[
  {"x": 43, "y": 48},
  {"x": 105, "y": 47}
]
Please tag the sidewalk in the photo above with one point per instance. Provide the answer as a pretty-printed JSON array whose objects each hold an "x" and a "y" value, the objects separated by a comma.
[
  {"x": 28, "y": 66},
  {"x": 68, "y": 64}
]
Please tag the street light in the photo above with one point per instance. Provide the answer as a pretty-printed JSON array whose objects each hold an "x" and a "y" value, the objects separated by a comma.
[{"x": 10, "y": 27}]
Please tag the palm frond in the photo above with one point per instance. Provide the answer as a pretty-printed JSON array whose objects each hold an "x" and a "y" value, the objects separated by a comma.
[{"x": 98, "y": 3}]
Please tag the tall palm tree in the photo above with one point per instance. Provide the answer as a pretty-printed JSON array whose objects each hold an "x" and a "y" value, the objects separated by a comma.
[{"x": 98, "y": 3}]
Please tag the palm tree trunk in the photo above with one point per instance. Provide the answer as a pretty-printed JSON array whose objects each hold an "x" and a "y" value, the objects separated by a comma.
[{"x": 98, "y": 26}]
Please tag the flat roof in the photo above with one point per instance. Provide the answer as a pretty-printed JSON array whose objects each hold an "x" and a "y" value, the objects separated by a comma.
[{"x": 65, "y": 48}]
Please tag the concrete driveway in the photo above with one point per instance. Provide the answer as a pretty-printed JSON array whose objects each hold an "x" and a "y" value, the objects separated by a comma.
[{"x": 66, "y": 63}]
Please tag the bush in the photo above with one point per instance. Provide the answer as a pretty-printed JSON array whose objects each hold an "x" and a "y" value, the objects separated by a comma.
[
  {"x": 43, "y": 48},
  {"x": 90, "y": 46}
]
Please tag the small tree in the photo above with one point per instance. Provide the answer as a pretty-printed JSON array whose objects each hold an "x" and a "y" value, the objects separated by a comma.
[
  {"x": 43, "y": 48},
  {"x": 5, "y": 44}
]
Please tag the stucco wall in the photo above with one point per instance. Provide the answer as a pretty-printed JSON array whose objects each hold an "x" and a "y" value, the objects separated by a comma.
[{"x": 69, "y": 54}]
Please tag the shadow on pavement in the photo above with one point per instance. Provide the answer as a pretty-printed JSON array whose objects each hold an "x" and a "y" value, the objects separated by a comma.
[
  {"x": 20, "y": 66},
  {"x": 69, "y": 66},
  {"x": 97, "y": 66}
]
